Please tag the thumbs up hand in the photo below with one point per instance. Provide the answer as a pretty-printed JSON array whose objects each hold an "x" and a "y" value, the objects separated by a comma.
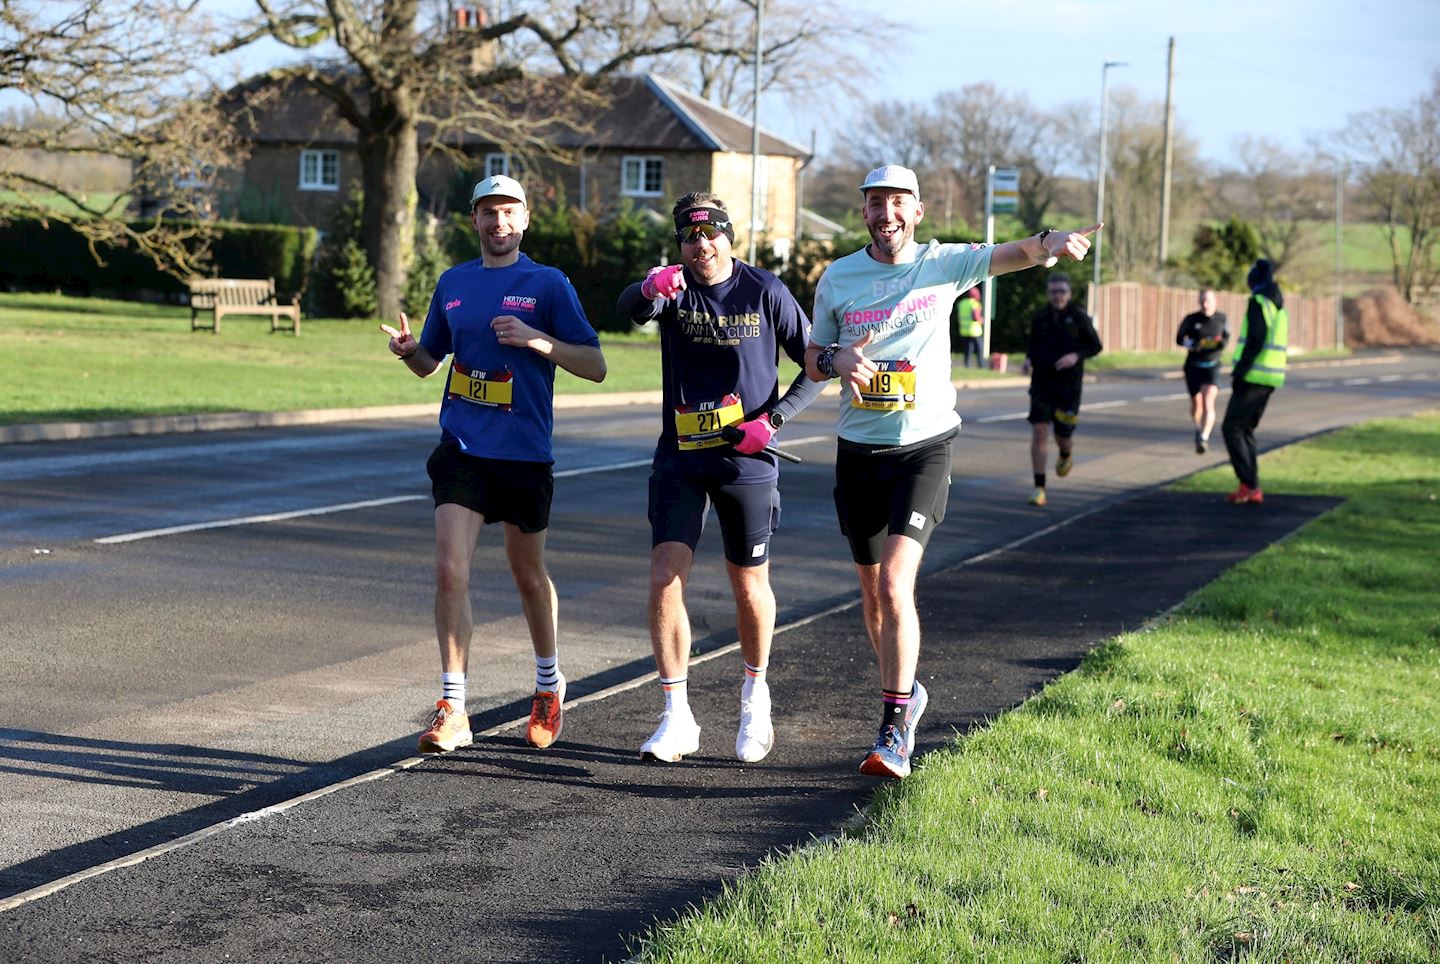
[{"x": 853, "y": 366}]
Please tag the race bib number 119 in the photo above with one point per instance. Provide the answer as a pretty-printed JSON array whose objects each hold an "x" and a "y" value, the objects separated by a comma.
[{"x": 891, "y": 390}]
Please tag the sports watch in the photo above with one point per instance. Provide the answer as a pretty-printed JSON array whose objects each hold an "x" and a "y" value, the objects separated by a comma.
[{"x": 777, "y": 418}]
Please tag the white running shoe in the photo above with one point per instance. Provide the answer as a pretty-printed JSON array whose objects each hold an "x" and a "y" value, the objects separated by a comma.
[
  {"x": 756, "y": 737},
  {"x": 677, "y": 735}
]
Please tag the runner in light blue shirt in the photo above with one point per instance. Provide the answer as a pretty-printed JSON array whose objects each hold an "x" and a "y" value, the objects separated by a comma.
[{"x": 881, "y": 325}]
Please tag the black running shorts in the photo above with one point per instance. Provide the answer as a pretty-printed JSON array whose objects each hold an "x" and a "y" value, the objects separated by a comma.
[
  {"x": 501, "y": 490},
  {"x": 1197, "y": 377},
  {"x": 1056, "y": 401},
  {"x": 880, "y": 494},
  {"x": 749, "y": 513}
]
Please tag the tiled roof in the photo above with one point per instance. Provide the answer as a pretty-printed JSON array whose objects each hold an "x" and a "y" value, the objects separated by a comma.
[{"x": 644, "y": 113}]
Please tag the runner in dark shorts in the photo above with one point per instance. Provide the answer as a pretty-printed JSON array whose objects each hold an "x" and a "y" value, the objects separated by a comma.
[
  {"x": 881, "y": 493},
  {"x": 1203, "y": 335},
  {"x": 1060, "y": 338},
  {"x": 722, "y": 325},
  {"x": 506, "y": 323}
]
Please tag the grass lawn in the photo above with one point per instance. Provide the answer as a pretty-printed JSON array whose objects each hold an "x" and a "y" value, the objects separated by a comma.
[
  {"x": 85, "y": 359},
  {"x": 1255, "y": 778}
]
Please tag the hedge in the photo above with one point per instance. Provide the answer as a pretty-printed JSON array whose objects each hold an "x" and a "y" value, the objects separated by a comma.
[{"x": 52, "y": 255}]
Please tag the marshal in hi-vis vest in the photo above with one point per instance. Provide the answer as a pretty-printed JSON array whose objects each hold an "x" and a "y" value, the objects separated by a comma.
[
  {"x": 1269, "y": 366},
  {"x": 970, "y": 326}
]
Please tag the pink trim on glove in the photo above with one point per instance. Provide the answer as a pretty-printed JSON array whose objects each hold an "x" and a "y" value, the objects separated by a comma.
[
  {"x": 666, "y": 281},
  {"x": 758, "y": 433}
]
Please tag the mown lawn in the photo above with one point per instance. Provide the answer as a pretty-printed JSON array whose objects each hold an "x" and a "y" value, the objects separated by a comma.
[{"x": 1254, "y": 779}]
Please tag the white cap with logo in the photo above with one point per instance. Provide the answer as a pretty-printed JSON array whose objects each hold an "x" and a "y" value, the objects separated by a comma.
[
  {"x": 892, "y": 176},
  {"x": 497, "y": 185}
]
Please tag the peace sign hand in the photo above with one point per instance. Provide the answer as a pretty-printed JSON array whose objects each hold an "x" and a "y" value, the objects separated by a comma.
[
  {"x": 1074, "y": 245},
  {"x": 402, "y": 343}
]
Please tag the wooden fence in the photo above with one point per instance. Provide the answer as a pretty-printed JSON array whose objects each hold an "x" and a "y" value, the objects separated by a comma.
[{"x": 1136, "y": 317}]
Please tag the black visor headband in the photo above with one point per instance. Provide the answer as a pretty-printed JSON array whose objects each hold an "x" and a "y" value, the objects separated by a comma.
[{"x": 717, "y": 220}]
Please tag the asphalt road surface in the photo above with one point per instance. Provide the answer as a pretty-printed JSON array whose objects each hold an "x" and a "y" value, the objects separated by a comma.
[{"x": 197, "y": 627}]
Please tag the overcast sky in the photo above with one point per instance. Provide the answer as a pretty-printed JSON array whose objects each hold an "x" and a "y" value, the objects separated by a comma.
[{"x": 1278, "y": 68}]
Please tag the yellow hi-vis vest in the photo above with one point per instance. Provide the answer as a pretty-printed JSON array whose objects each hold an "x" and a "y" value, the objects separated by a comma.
[
  {"x": 1269, "y": 366},
  {"x": 970, "y": 327}
]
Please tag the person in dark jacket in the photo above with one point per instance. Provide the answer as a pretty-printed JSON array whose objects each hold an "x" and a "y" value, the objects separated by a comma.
[
  {"x": 1061, "y": 337},
  {"x": 1203, "y": 335},
  {"x": 1259, "y": 369}
]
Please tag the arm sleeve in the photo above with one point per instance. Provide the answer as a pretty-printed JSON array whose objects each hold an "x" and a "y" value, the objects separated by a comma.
[
  {"x": 799, "y": 395},
  {"x": 1089, "y": 338},
  {"x": 1256, "y": 332},
  {"x": 1180, "y": 335},
  {"x": 636, "y": 306}
]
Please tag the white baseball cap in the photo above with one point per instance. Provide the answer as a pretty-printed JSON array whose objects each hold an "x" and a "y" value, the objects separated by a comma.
[
  {"x": 497, "y": 184},
  {"x": 892, "y": 176}
]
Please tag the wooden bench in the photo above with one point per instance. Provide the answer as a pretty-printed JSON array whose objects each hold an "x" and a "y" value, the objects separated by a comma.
[{"x": 232, "y": 296}]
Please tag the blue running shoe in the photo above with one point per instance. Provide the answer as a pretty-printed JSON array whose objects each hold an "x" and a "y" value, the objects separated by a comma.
[
  {"x": 891, "y": 755},
  {"x": 919, "y": 699}
]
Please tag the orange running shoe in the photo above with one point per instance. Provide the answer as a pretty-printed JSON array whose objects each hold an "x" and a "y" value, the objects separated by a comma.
[
  {"x": 447, "y": 730},
  {"x": 547, "y": 716},
  {"x": 1245, "y": 496}
]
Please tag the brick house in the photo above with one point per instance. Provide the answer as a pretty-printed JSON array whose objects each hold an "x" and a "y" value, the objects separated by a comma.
[{"x": 651, "y": 143}]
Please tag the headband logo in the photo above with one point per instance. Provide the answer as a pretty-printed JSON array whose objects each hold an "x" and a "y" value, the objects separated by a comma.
[{"x": 703, "y": 214}]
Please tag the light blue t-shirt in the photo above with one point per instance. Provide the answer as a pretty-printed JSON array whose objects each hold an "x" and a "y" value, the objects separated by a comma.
[
  {"x": 499, "y": 400},
  {"x": 906, "y": 308}
]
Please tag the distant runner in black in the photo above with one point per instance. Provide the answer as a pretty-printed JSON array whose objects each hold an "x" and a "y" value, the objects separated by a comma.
[
  {"x": 1061, "y": 337},
  {"x": 1203, "y": 334}
]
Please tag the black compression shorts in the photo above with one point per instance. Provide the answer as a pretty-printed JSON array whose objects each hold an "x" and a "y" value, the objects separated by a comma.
[
  {"x": 749, "y": 513},
  {"x": 880, "y": 494},
  {"x": 501, "y": 490}
]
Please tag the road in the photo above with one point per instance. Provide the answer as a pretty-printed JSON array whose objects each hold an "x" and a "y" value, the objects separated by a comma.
[{"x": 200, "y": 626}]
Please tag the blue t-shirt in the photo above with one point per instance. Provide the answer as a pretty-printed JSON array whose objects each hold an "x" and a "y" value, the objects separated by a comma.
[
  {"x": 905, "y": 308},
  {"x": 499, "y": 400},
  {"x": 719, "y": 348}
]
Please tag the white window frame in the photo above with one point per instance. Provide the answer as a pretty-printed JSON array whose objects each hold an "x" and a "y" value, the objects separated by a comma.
[
  {"x": 312, "y": 170},
  {"x": 640, "y": 166},
  {"x": 497, "y": 164}
]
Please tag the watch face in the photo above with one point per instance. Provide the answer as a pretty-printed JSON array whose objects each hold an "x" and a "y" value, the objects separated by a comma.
[{"x": 777, "y": 419}]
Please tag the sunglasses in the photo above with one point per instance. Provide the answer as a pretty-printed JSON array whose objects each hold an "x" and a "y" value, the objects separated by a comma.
[{"x": 692, "y": 233}]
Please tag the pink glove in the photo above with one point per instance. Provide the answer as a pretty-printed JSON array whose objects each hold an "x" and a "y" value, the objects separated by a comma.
[
  {"x": 666, "y": 281},
  {"x": 758, "y": 433}
]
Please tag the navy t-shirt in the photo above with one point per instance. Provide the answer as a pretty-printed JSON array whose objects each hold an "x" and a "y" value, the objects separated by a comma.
[
  {"x": 499, "y": 400},
  {"x": 720, "y": 346}
]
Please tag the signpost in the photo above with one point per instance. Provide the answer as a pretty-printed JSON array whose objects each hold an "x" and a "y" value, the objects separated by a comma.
[{"x": 1002, "y": 194}]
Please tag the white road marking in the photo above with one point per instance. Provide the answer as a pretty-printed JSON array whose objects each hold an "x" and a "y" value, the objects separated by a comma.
[
  {"x": 204, "y": 833},
  {"x": 999, "y": 418},
  {"x": 1357, "y": 381},
  {"x": 1165, "y": 398},
  {"x": 367, "y": 504}
]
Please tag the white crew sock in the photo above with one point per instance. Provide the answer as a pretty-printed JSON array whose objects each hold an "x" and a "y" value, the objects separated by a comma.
[
  {"x": 452, "y": 688},
  {"x": 676, "y": 700},
  {"x": 547, "y": 673},
  {"x": 754, "y": 677}
]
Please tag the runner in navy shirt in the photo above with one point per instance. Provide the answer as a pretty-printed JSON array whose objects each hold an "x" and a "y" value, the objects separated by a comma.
[
  {"x": 507, "y": 322},
  {"x": 722, "y": 326}
]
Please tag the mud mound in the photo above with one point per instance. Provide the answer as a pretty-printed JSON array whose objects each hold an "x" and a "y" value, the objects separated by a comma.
[{"x": 1380, "y": 317}]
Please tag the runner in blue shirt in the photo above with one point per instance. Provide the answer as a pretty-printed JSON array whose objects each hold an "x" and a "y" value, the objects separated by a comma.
[
  {"x": 722, "y": 326},
  {"x": 881, "y": 325},
  {"x": 506, "y": 322}
]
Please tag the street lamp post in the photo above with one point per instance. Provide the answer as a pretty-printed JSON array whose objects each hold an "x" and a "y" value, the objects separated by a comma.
[{"x": 1100, "y": 171}]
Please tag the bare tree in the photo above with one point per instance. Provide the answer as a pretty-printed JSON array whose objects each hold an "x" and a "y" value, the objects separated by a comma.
[
  {"x": 1398, "y": 159},
  {"x": 113, "y": 79},
  {"x": 1276, "y": 191},
  {"x": 400, "y": 74},
  {"x": 808, "y": 51},
  {"x": 1135, "y": 157}
]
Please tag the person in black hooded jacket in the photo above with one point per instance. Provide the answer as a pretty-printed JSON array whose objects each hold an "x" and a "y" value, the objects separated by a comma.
[{"x": 1259, "y": 369}]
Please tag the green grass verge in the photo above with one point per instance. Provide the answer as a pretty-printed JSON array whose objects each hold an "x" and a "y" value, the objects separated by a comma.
[
  {"x": 1255, "y": 778},
  {"x": 85, "y": 359}
]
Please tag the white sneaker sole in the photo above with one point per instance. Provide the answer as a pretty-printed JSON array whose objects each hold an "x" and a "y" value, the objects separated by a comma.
[
  {"x": 653, "y": 752},
  {"x": 431, "y": 747}
]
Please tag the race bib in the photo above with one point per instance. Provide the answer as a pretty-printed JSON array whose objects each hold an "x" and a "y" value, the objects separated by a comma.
[
  {"x": 493, "y": 389},
  {"x": 698, "y": 426},
  {"x": 891, "y": 390}
]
